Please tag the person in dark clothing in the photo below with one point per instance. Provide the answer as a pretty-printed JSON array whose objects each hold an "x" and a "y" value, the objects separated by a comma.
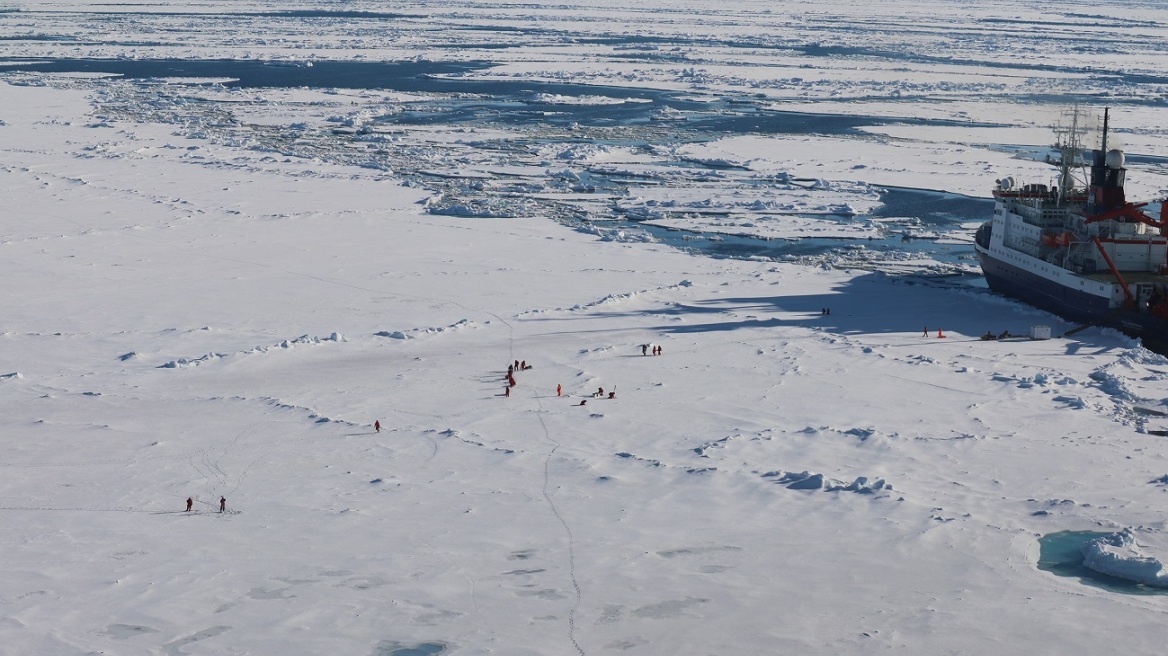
[
  {"x": 222, "y": 504},
  {"x": 190, "y": 502},
  {"x": 377, "y": 425}
]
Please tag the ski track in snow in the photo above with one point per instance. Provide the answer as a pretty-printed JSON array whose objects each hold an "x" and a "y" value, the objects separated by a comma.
[{"x": 570, "y": 537}]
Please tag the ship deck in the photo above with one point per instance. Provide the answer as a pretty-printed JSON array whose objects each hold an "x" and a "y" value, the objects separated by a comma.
[{"x": 1130, "y": 277}]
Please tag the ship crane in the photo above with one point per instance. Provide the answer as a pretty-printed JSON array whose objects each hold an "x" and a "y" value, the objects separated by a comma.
[
  {"x": 1132, "y": 211},
  {"x": 1129, "y": 300}
]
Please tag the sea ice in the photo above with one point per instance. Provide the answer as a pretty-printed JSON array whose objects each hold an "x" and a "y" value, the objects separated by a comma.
[{"x": 1128, "y": 555}]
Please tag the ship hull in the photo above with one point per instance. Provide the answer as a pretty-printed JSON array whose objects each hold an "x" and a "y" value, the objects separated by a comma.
[{"x": 1070, "y": 304}]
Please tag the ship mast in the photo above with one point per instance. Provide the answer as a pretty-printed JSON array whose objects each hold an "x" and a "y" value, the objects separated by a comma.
[
  {"x": 1069, "y": 143},
  {"x": 1106, "y": 118},
  {"x": 1107, "y": 175}
]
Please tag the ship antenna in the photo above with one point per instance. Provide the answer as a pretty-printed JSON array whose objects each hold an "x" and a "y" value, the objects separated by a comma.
[{"x": 1103, "y": 147}]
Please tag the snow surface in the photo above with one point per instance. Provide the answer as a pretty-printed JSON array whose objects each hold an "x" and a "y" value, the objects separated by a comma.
[{"x": 216, "y": 291}]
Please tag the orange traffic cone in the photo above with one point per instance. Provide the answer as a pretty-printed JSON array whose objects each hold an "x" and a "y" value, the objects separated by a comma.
[{"x": 940, "y": 335}]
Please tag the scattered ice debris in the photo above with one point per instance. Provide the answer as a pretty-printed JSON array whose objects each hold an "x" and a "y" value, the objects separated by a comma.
[
  {"x": 413, "y": 333},
  {"x": 607, "y": 300},
  {"x": 1053, "y": 504},
  {"x": 303, "y": 339},
  {"x": 482, "y": 208},
  {"x": 575, "y": 152},
  {"x": 563, "y": 174},
  {"x": 1113, "y": 385},
  {"x": 1135, "y": 383},
  {"x": 716, "y": 444},
  {"x": 655, "y": 463},
  {"x": 802, "y": 481},
  {"x": 190, "y": 362},
  {"x": 863, "y": 433},
  {"x": 309, "y": 412},
  {"x": 1125, "y": 375},
  {"x": 1072, "y": 402},
  {"x": 285, "y": 344},
  {"x": 863, "y": 485},
  {"x": 557, "y": 99},
  {"x": 807, "y": 481},
  {"x": 619, "y": 235},
  {"x": 1022, "y": 382},
  {"x": 716, "y": 162},
  {"x": 1120, "y": 555}
]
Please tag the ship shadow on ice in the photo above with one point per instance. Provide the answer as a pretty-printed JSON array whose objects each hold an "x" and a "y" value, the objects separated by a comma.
[
  {"x": 872, "y": 304},
  {"x": 868, "y": 304}
]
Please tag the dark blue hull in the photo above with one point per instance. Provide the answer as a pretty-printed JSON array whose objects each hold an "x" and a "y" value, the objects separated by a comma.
[{"x": 1071, "y": 304}]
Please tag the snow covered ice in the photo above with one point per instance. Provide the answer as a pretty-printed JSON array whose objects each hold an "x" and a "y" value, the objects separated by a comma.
[
  {"x": 214, "y": 288},
  {"x": 1125, "y": 556}
]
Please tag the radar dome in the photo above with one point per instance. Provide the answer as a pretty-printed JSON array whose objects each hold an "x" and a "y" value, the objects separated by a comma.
[
  {"x": 1114, "y": 159},
  {"x": 1005, "y": 184}
]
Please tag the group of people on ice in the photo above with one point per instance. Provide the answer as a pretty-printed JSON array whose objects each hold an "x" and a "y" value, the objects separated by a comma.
[
  {"x": 222, "y": 504},
  {"x": 521, "y": 365},
  {"x": 512, "y": 368}
]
